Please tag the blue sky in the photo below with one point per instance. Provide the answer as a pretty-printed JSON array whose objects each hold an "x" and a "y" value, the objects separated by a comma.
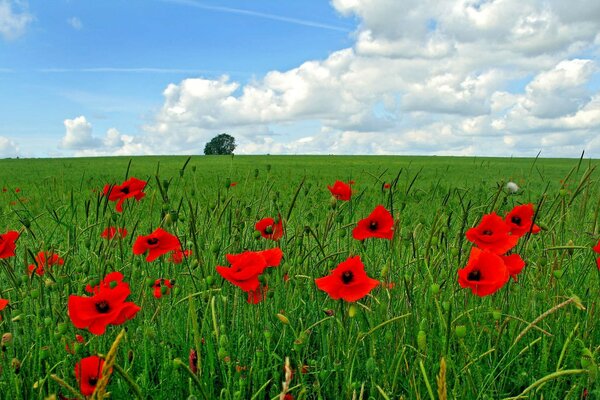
[{"x": 348, "y": 76}]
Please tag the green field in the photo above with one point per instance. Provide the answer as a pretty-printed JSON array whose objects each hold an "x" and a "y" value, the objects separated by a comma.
[{"x": 539, "y": 336}]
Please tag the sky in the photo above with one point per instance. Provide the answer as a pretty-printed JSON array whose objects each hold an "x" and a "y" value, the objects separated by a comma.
[{"x": 432, "y": 77}]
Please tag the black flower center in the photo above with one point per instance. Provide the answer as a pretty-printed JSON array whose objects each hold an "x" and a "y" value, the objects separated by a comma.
[
  {"x": 487, "y": 232},
  {"x": 152, "y": 241},
  {"x": 347, "y": 277},
  {"x": 92, "y": 380},
  {"x": 474, "y": 275},
  {"x": 516, "y": 220},
  {"x": 125, "y": 190},
  {"x": 373, "y": 225},
  {"x": 102, "y": 307}
]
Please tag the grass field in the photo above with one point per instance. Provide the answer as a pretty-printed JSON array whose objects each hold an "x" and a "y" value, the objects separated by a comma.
[{"x": 417, "y": 335}]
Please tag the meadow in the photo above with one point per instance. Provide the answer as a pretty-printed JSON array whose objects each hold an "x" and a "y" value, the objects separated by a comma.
[{"x": 417, "y": 335}]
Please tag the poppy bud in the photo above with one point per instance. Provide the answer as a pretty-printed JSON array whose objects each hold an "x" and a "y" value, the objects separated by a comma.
[
  {"x": 460, "y": 331},
  {"x": 34, "y": 293},
  {"x": 352, "y": 311},
  {"x": 7, "y": 338},
  {"x": 256, "y": 235},
  {"x": 496, "y": 314},
  {"x": 168, "y": 219},
  {"x": 284, "y": 320},
  {"x": 333, "y": 203},
  {"x": 16, "y": 365}
]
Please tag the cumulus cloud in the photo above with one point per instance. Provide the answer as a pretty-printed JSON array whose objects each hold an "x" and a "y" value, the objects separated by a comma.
[
  {"x": 8, "y": 148},
  {"x": 13, "y": 23},
  {"x": 423, "y": 76},
  {"x": 78, "y": 134}
]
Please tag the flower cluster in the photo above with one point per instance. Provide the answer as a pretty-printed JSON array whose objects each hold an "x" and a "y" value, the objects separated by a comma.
[
  {"x": 489, "y": 267},
  {"x": 246, "y": 268}
]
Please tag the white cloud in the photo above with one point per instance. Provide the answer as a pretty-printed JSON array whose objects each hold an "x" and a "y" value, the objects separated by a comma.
[
  {"x": 424, "y": 76},
  {"x": 8, "y": 148},
  {"x": 78, "y": 134},
  {"x": 13, "y": 24},
  {"x": 75, "y": 23}
]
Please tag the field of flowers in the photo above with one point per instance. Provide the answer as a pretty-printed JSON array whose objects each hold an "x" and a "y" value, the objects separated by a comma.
[{"x": 299, "y": 278}]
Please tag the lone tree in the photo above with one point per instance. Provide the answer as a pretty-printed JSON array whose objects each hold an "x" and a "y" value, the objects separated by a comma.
[{"x": 219, "y": 145}]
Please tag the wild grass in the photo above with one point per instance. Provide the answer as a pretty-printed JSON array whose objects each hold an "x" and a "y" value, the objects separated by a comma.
[{"x": 417, "y": 336}]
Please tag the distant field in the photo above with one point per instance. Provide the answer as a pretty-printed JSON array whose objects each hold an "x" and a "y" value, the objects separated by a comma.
[{"x": 538, "y": 336}]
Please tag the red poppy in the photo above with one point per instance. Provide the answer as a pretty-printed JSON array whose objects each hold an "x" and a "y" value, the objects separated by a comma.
[
  {"x": 247, "y": 266},
  {"x": 158, "y": 287},
  {"x": 3, "y": 304},
  {"x": 111, "y": 231},
  {"x": 270, "y": 228},
  {"x": 43, "y": 261},
  {"x": 156, "y": 244},
  {"x": 387, "y": 185},
  {"x": 178, "y": 255},
  {"x": 106, "y": 307},
  {"x": 520, "y": 220},
  {"x": 379, "y": 224},
  {"x": 7, "y": 244},
  {"x": 233, "y": 184},
  {"x": 347, "y": 281},
  {"x": 596, "y": 248},
  {"x": 17, "y": 190},
  {"x": 598, "y": 263},
  {"x": 515, "y": 264},
  {"x": 128, "y": 189},
  {"x": 340, "y": 190},
  {"x": 88, "y": 372},
  {"x": 492, "y": 234},
  {"x": 484, "y": 273}
]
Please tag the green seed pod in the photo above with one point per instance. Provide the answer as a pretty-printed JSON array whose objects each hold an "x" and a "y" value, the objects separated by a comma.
[
  {"x": 333, "y": 203},
  {"x": 496, "y": 314},
  {"x": 422, "y": 341},
  {"x": 256, "y": 234},
  {"x": 454, "y": 252},
  {"x": 352, "y": 310},
  {"x": 460, "y": 331},
  {"x": 434, "y": 288}
]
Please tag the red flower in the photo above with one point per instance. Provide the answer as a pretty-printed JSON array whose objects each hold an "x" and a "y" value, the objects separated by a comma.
[
  {"x": 43, "y": 261},
  {"x": 484, "y": 273},
  {"x": 596, "y": 248},
  {"x": 178, "y": 255},
  {"x": 520, "y": 220},
  {"x": 247, "y": 266},
  {"x": 492, "y": 234},
  {"x": 3, "y": 304},
  {"x": 598, "y": 263},
  {"x": 111, "y": 231},
  {"x": 340, "y": 190},
  {"x": 158, "y": 287},
  {"x": 106, "y": 307},
  {"x": 347, "y": 281},
  {"x": 270, "y": 228},
  {"x": 515, "y": 264},
  {"x": 7, "y": 244},
  {"x": 233, "y": 184},
  {"x": 17, "y": 190},
  {"x": 88, "y": 372},
  {"x": 193, "y": 361},
  {"x": 379, "y": 224},
  {"x": 156, "y": 244},
  {"x": 128, "y": 189},
  {"x": 387, "y": 186}
]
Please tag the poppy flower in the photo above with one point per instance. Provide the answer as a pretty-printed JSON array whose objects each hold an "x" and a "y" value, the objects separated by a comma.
[
  {"x": 158, "y": 286},
  {"x": 340, "y": 190},
  {"x": 7, "y": 244},
  {"x": 233, "y": 184},
  {"x": 156, "y": 244},
  {"x": 379, "y": 224},
  {"x": 596, "y": 248},
  {"x": 387, "y": 185},
  {"x": 515, "y": 264},
  {"x": 17, "y": 190},
  {"x": 106, "y": 307},
  {"x": 598, "y": 263},
  {"x": 88, "y": 371},
  {"x": 484, "y": 273},
  {"x": 111, "y": 231},
  {"x": 347, "y": 281},
  {"x": 520, "y": 220},
  {"x": 270, "y": 228},
  {"x": 178, "y": 255},
  {"x": 43, "y": 261},
  {"x": 3, "y": 304},
  {"x": 132, "y": 187},
  {"x": 492, "y": 234},
  {"x": 247, "y": 266}
]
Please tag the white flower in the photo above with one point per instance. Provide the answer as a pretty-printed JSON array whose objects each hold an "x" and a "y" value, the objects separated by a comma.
[{"x": 512, "y": 187}]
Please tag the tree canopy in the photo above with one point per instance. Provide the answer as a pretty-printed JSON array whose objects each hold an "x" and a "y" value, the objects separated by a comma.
[{"x": 220, "y": 145}]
